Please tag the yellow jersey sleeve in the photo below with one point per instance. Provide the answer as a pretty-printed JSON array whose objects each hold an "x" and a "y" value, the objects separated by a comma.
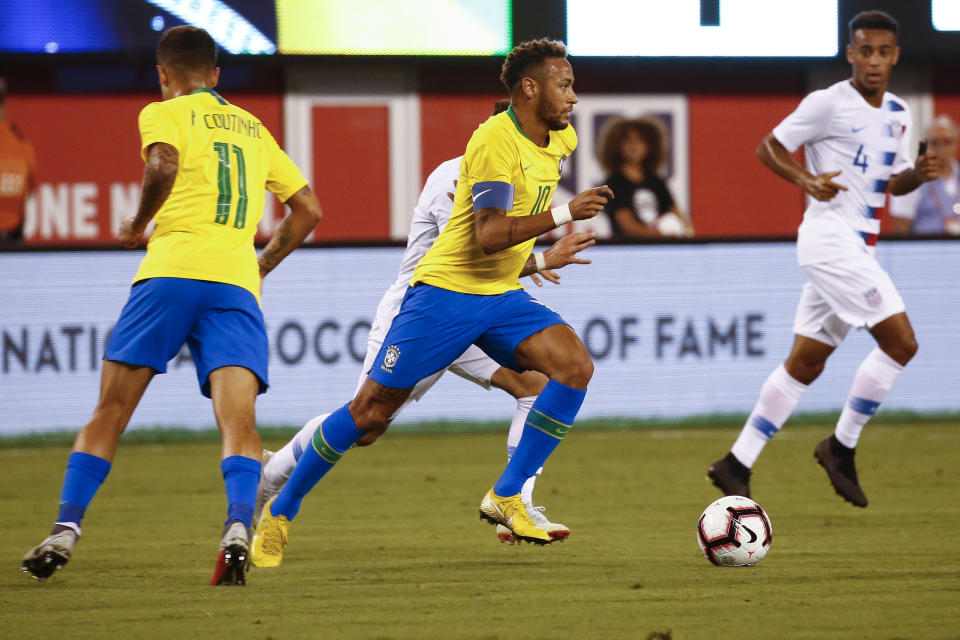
[
  {"x": 491, "y": 156},
  {"x": 283, "y": 178},
  {"x": 158, "y": 125}
]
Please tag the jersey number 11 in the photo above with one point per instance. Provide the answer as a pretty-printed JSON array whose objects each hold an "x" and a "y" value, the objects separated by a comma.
[{"x": 223, "y": 184}]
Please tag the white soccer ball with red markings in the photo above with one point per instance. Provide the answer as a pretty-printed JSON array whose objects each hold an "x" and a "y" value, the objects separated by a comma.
[{"x": 734, "y": 532}]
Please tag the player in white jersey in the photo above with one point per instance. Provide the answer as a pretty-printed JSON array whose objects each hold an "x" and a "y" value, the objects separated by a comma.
[
  {"x": 855, "y": 140},
  {"x": 430, "y": 216}
]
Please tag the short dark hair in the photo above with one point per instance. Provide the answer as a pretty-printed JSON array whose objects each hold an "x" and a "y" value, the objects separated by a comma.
[
  {"x": 3, "y": 89},
  {"x": 526, "y": 56},
  {"x": 650, "y": 130},
  {"x": 874, "y": 20},
  {"x": 501, "y": 105},
  {"x": 187, "y": 48}
]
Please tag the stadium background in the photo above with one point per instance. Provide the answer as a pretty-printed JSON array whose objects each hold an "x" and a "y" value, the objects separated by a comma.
[{"x": 681, "y": 329}]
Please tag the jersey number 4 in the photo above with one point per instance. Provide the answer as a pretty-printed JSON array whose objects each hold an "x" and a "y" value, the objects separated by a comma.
[
  {"x": 860, "y": 160},
  {"x": 223, "y": 184}
]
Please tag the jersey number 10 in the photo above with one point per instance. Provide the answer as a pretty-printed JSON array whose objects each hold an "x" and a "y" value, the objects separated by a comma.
[{"x": 223, "y": 184}]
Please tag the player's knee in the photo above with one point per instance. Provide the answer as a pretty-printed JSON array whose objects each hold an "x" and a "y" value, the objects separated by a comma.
[
  {"x": 369, "y": 417},
  {"x": 576, "y": 371},
  {"x": 804, "y": 370},
  {"x": 904, "y": 350}
]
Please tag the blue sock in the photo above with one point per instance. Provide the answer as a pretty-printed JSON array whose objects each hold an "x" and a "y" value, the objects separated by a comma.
[
  {"x": 549, "y": 421},
  {"x": 337, "y": 434},
  {"x": 85, "y": 473},
  {"x": 241, "y": 476}
]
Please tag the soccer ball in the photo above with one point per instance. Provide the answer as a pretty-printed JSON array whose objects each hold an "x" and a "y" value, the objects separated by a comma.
[{"x": 734, "y": 532}]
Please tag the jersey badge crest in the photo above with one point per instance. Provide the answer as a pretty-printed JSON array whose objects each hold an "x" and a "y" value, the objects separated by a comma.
[
  {"x": 873, "y": 297},
  {"x": 391, "y": 357}
]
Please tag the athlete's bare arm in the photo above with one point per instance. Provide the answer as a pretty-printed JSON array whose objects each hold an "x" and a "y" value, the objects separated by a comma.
[
  {"x": 926, "y": 168},
  {"x": 163, "y": 163},
  {"x": 563, "y": 252},
  {"x": 497, "y": 231},
  {"x": 305, "y": 213},
  {"x": 776, "y": 158}
]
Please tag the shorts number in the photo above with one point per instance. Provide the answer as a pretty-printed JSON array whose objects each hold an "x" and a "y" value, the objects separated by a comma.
[
  {"x": 223, "y": 185},
  {"x": 860, "y": 160}
]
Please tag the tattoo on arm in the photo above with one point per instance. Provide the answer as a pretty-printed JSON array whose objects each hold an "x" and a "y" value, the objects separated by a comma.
[
  {"x": 529, "y": 267},
  {"x": 163, "y": 163},
  {"x": 292, "y": 231},
  {"x": 513, "y": 227},
  {"x": 276, "y": 250}
]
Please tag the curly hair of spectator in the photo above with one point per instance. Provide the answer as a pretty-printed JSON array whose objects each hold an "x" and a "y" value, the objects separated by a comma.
[{"x": 650, "y": 130}]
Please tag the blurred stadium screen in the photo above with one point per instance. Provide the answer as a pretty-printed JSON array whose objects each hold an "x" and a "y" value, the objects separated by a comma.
[
  {"x": 385, "y": 27},
  {"x": 946, "y": 15},
  {"x": 695, "y": 28}
]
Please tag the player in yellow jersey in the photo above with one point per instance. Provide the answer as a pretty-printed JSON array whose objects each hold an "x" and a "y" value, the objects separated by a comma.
[
  {"x": 207, "y": 165},
  {"x": 465, "y": 291}
]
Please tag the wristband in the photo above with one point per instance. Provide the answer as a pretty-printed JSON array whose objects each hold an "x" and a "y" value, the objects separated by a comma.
[
  {"x": 561, "y": 215},
  {"x": 541, "y": 261}
]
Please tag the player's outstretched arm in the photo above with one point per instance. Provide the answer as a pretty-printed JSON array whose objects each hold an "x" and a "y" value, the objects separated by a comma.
[
  {"x": 497, "y": 231},
  {"x": 305, "y": 213},
  {"x": 563, "y": 252},
  {"x": 159, "y": 174},
  {"x": 927, "y": 167},
  {"x": 776, "y": 158}
]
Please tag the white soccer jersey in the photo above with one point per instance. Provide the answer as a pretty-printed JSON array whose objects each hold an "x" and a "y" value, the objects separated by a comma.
[
  {"x": 840, "y": 130},
  {"x": 430, "y": 216}
]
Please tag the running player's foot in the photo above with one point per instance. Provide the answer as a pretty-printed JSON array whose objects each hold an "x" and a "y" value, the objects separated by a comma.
[
  {"x": 270, "y": 538},
  {"x": 837, "y": 461},
  {"x": 557, "y": 532},
  {"x": 512, "y": 514},
  {"x": 51, "y": 554},
  {"x": 234, "y": 557},
  {"x": 730, "y": 476},
  {"x": 265, "y": 490}
]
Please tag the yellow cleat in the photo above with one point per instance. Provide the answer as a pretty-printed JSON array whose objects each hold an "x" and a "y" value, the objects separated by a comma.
[
  {"x": 512, "y": 514},
  {"x": 270, "y": 538}
]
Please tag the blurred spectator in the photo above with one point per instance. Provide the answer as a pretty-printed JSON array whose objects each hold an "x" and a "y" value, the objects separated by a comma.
[
  {"x": 933, "y": 208},
  {"x": 17, "y": 179},
  {"x": 632, "y": 152}
]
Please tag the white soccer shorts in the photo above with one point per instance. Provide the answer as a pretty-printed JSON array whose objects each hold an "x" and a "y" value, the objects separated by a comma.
[{"x": 853, "y": 291}]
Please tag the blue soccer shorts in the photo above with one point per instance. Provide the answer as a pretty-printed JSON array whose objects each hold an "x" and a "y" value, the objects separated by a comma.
[
  {"x": 221, "y": 323},
  {"x": 435, "y": 326}
]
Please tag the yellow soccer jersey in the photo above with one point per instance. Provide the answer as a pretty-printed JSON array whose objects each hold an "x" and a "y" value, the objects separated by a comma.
[
  {"x": 498, "y": 152},
  {"x": 205, "y": 229}
]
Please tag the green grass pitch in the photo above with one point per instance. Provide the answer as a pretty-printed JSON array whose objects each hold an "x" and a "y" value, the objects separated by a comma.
[{"x": 390, "y": 545}]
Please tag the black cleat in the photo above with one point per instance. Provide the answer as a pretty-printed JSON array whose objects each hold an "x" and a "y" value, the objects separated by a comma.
[
  {"x": 837, "y": 461},
  {"x": 730, "y": 476},
  {"x": 234, "y": 557},
  {"x": 50, "y": 555}
]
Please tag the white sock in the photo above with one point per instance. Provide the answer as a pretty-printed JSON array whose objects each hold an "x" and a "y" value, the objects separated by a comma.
[
  {"x": 278, "y": 470},
  {"x": 874, "y": 379},
  {"x": 513, "y": 438},
  {"x": 516, "y": 425},
  {"x": 778, "y": 398},
  {"x": 526, "y": 492}
]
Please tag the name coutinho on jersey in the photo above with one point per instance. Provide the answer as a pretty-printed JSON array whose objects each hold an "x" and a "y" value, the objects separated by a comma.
[{"x": 229, "y": 121}]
